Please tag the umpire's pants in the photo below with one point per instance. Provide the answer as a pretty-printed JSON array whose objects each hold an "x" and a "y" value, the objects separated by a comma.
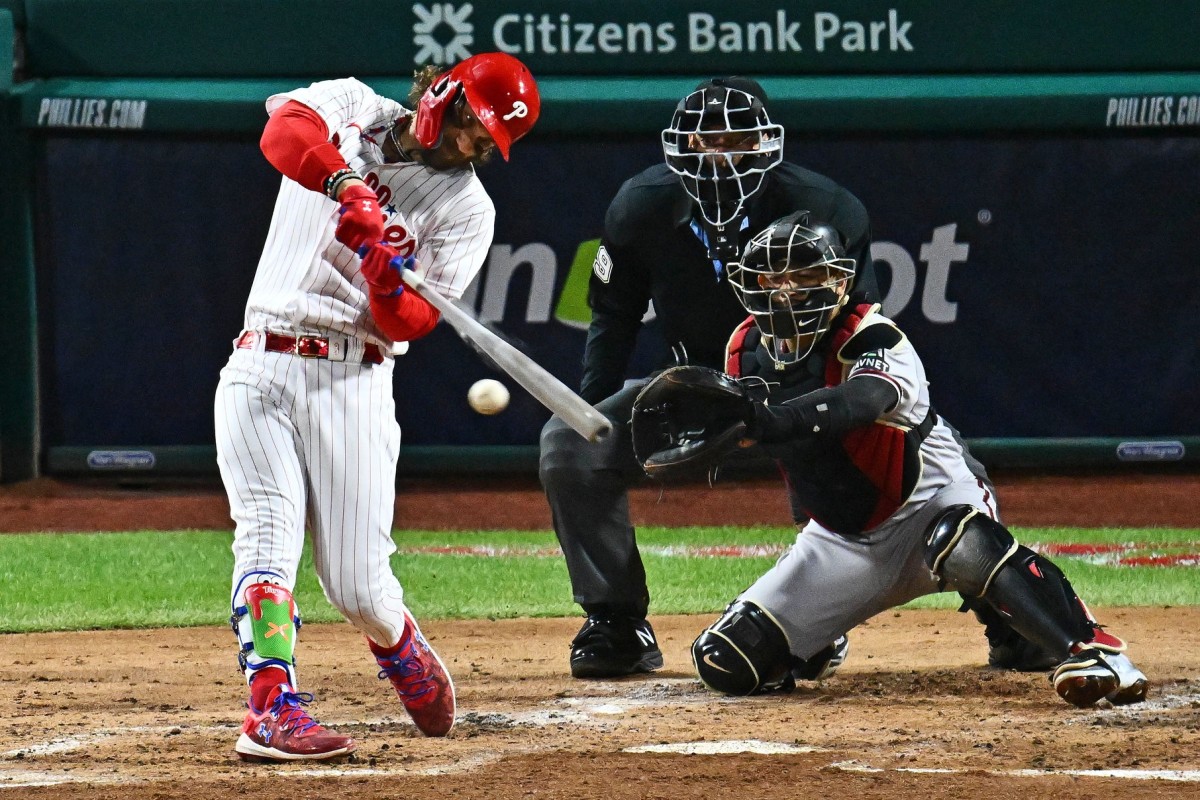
[{"x": 587, "y": 486}]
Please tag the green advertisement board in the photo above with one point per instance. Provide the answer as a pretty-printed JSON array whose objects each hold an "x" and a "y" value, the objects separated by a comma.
[{"x": 187, "y": 38}]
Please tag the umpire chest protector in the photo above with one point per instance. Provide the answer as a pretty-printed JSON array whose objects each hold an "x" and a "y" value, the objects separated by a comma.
[{"x": 850, "y": 482}]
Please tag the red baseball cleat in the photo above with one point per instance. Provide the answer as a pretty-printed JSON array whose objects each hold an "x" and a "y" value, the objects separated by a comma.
[
  {"x": 420, "y": 678},
  {"x": 286, "y": 732}
]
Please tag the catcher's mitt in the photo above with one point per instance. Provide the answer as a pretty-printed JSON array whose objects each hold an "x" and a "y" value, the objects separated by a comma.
[{"x": 687, "y": 419}]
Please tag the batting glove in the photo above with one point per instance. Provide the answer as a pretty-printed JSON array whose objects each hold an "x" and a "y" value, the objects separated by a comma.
[
  {"x": 361, "y": 220},
  {"x": 381, "y": 266}
]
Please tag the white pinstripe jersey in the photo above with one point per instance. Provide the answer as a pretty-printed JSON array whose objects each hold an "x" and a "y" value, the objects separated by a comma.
[{"x": 307, "y": 282}]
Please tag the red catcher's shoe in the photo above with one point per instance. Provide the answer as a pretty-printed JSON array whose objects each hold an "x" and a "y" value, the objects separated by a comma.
[
  {"x": 286, "y": 732},
  {"x": 420, "y": 678}
]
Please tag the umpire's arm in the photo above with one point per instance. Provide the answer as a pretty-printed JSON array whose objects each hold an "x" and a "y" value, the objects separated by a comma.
[{"x": 618, "y": 294}]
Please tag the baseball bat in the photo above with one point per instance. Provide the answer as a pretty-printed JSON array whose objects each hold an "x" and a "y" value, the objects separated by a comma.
[{"x": 547, "y": 389}]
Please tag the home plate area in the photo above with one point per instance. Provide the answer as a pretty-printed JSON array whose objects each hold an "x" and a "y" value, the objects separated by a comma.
[{"x": 913, "y": 713}]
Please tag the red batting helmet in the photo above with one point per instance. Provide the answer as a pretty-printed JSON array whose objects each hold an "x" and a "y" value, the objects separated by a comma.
[{"x": 498, "y": 88}]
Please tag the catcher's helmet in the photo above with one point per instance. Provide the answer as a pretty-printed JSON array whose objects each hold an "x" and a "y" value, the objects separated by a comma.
[
  {"x": 721, "y": 143},
  {"x": 498, "y": 88},
  {"x": 793, "y": 277}
]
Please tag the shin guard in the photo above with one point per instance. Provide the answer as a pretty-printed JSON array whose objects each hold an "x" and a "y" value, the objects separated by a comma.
[
  {"x": 266, "y": 626},
  {"x": 1036, "y": 599},
  {"x": 744, "y": 652},
  {"x": 977, "y": 556}
]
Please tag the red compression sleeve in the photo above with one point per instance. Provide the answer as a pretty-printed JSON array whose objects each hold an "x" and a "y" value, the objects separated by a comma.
[
  {"x": 296, "y": 142},
  {"x": 404, "y": 317}
]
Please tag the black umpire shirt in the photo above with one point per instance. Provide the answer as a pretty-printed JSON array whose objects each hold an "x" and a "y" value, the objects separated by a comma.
[{"x": 651, "y": 250}]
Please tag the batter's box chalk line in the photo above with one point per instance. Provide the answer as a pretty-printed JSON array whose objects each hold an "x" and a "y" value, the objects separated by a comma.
[
  {"x": 729, "y": 747},
  {"x": 66, "y": 744},
  {"x": 1178, "y": 775}
]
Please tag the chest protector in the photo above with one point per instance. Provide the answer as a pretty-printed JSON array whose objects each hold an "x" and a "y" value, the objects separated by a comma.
[{"x": 849, "y": 483}]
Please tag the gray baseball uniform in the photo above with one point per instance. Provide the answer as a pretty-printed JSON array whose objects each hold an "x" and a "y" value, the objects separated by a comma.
[{"x": 838, "y": 574}]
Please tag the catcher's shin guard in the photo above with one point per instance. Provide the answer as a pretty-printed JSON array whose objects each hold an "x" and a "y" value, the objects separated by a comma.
[
  {"x": 266, "y": 626},
  {"x": 977, "y": 556},
  {"x": 744, "y": 652},
  {"x": 1008, "y": 649}
]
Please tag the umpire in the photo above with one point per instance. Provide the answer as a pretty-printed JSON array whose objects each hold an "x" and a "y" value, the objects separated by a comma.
[{"x": 669, "y": 235}]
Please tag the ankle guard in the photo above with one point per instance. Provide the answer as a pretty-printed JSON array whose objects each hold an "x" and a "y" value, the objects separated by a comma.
[{"x": 266, "y": 628}]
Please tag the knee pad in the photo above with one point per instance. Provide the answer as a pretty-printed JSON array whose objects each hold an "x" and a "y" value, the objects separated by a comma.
[
  {"x": 266, "y": 624},
  {"x": 744, "y": 652},
  {"x": 966, "y": 548}
]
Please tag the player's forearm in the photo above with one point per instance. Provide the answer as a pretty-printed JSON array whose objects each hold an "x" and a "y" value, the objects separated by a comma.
[
  {"x": 404, "y": 317},
  {"x": 825, "y": 412},
  {"x": 296, "y": 142}
]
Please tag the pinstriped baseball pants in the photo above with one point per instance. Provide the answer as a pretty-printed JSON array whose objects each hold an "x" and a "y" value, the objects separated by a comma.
[{"x": 312, "y": 442}]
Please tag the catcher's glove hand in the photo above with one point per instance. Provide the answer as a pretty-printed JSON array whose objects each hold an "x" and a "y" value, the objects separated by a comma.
[{"x": 687, "y": 419}]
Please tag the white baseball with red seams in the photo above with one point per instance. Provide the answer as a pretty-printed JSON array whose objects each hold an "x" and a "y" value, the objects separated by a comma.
[{"x": 322, "y": 429}]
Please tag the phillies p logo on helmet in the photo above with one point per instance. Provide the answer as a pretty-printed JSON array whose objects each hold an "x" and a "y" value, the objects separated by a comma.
[
  {"x": 500, "y": 91},
  {"x": 519, "y": 110}
]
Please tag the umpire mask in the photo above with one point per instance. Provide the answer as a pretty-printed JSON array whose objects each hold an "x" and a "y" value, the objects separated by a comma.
[
  {"x": 721, "y": 144},
  {"x": 793, "y": 277}
]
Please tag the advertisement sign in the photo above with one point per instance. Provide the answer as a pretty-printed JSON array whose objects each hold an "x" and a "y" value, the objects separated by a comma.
[
  {"x": 1047, "y": 282},
  {"x": 231, "y": 38}
]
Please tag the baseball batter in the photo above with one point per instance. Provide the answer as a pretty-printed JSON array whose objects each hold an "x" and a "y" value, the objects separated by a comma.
[
  {"x": 897, "y": 507},
  {"x": 305, "y": 418}
]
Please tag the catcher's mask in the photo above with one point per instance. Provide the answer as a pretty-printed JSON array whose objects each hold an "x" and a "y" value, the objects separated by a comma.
[
  {"x": 793, "y": 277},
  {"x": 500, "y": 91},
  {"x": 721, "y": 143}
]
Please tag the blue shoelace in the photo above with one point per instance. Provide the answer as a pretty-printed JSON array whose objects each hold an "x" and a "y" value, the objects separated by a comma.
[
  {"x": 289, "y": 707},
  {"x": 406, "y": 668}
]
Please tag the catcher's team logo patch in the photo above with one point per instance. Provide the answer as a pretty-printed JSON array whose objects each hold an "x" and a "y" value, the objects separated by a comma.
[
  {"x": 602, "y": 266},
  {"x": 875, "y": 361}
]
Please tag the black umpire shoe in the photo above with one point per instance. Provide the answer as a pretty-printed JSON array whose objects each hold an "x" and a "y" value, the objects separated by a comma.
[{"x": 610, "y": 646}]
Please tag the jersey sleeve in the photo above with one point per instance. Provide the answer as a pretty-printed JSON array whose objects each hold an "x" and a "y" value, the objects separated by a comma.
[
  {"x": 342, "y": 103},
  {"x": 899, "y": 365}
]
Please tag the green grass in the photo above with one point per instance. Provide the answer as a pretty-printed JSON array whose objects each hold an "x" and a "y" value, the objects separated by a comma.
[{"x": 147, "y": 579}]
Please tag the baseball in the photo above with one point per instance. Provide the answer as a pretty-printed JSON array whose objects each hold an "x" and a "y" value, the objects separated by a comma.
[{"x": 488, "y": 396}]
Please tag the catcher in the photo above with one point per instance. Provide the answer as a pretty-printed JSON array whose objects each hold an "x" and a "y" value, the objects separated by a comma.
[{"x": 898, "y": 508}]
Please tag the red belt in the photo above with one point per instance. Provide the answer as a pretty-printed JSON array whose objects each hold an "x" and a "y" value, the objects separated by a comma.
[{"x": 303, "y": 346}]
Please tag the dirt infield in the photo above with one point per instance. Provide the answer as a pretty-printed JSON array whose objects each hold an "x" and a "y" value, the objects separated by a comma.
[{"x": 137, "y": 715}]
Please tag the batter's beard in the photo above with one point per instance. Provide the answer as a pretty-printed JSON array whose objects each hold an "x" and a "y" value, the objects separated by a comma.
[{"x": 443, "y": 158}]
